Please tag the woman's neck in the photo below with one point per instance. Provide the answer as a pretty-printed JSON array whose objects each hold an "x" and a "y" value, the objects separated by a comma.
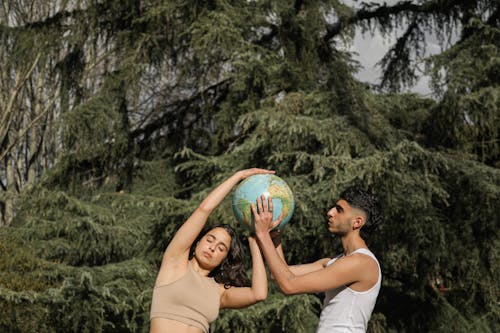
[{"x": 198, "y": 269}]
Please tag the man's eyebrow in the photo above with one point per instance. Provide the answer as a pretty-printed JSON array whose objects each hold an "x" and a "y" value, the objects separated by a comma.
[{"x": 339, "y": 208}]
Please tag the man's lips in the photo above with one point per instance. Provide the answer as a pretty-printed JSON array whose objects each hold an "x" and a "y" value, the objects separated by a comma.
[{"x": 206, "y": 254}]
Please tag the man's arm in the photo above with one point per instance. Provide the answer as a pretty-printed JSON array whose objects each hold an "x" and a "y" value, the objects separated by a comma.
[
  {"x": 299, "y": 269},
  {"x": 343, "y": 271}
]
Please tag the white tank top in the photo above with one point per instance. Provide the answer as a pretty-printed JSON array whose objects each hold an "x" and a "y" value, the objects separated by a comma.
[{"x": 346, "y": 310}]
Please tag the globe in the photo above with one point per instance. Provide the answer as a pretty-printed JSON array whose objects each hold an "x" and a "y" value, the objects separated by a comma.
[{"x": 252, "y": 188}]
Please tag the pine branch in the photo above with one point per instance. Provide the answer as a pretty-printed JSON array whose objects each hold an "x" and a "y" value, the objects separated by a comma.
[
  {"x": 384, "y": 12},
  {"x": 396, "y": 63},
  {"x": 171, "y": 112}
]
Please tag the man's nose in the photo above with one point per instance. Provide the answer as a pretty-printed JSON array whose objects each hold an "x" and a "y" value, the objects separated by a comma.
[{"x": 331, "y": 212}]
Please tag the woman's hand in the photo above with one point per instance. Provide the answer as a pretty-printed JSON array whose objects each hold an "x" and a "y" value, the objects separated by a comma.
[
  {"x": 263, "y": 215},
  {"x": 242, "y": 174}
]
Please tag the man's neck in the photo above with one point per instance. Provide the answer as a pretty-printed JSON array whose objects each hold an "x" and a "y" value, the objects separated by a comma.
[{"x": 351, "y": 243}]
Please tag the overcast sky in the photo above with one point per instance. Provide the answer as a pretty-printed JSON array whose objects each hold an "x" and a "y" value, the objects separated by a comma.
[{"x": 369, "y": 49}]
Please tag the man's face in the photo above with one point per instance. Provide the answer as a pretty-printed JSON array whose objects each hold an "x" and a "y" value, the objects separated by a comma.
[{"x": 340, "y": 218}]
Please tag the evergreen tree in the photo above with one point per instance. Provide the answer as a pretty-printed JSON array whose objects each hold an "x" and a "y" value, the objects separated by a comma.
[{"x": 122, "y": 115}]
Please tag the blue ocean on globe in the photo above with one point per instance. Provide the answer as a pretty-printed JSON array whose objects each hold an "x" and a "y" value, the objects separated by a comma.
[{"x": 252, "y": 188}]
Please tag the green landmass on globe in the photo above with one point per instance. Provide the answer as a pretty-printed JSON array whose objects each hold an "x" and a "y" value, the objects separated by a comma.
[{"x": 252, "y": 188}]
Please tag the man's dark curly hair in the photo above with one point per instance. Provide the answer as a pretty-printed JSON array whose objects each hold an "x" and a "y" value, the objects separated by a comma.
[
  {"x": 368, "y": 203},
  {"x": 231, "y": 272}
]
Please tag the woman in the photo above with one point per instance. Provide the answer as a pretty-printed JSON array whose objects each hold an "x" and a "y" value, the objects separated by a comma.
[{"x": 190, "y": 290}]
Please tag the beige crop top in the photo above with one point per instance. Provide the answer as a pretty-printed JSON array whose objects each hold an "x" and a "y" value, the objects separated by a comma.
[{"x": 193, "y": 300}]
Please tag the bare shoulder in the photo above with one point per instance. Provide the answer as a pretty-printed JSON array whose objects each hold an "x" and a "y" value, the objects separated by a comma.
[
  {"x": 363, "y": 259},
  {"x": 223, "y": 289},
  {"x": 367, "y": 266},
  {"x": 357, "y": 262},
  {"x": 361, "y": 256},
  {"x": 170, "y": 271}
]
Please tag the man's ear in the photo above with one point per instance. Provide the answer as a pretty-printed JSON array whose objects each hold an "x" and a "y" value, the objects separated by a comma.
[{"x": 358, "y": 222}]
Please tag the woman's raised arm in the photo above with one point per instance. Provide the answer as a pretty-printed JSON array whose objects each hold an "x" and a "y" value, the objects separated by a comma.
[
  {"x": 240, "y": 297},
  {"x": 181, "y": 243}
]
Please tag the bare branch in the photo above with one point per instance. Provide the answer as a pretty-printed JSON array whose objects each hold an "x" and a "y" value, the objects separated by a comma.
[{"x": 8, "y": 113}]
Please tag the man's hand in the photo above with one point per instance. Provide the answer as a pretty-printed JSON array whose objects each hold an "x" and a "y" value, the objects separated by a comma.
[{"x": 263, "y": 215}]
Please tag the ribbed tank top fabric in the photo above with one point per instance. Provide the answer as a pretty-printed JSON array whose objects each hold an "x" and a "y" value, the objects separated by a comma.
[
  {"x": 346, "y": 310},
  {"x": 193, "y": 299}
]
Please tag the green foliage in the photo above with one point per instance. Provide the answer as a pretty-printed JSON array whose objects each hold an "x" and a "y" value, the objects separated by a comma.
[
  {"x": 110, "y": 299},
  {"x": 277, "y": 314},
  {"x": 22, "y": 270},
  {"x": 468, "y": 117},
  {"x": 160, "y": 101},
  {"x": 81, "y": 264}
]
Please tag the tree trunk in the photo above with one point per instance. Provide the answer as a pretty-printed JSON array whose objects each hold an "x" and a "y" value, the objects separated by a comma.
[{"x": 11, "y": 192}]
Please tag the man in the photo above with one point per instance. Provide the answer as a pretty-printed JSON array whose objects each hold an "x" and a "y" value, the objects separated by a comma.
[{"x": 351, "y": 281}]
